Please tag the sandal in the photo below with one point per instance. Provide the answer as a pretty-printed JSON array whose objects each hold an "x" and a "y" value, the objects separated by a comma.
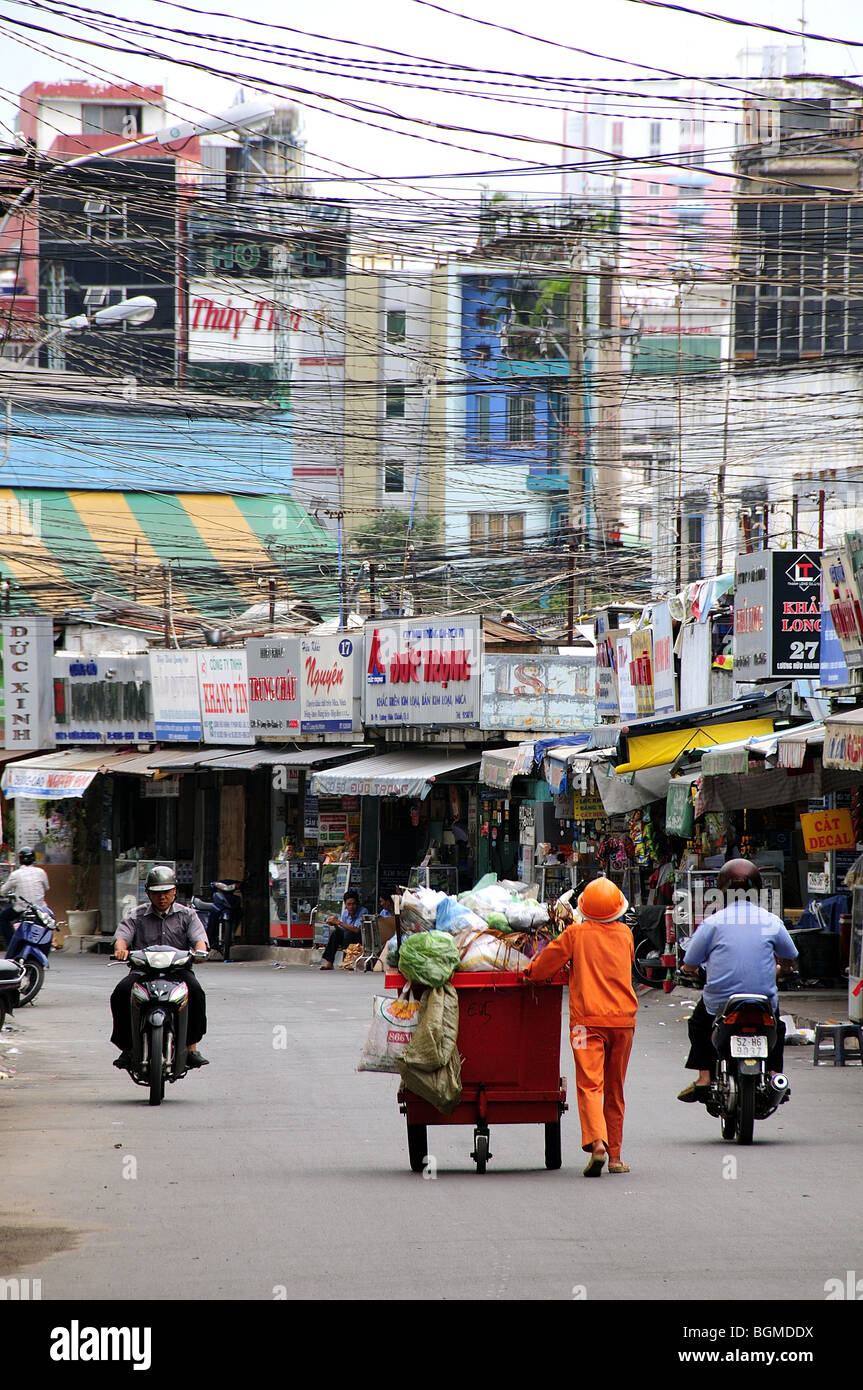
[
  {"x": 618, "y": 1167},
  {"x": 595, "y": 1165},
  {"x": 694, "y": 1092}
]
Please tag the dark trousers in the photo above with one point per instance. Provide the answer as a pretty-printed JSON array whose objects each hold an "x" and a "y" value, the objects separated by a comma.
[
  {"x": 702, "y": 1054},
  {"x": 7, "y": 924},
  {"x": 121, "y": 1003},
  {"x": 339, "y": 938}
]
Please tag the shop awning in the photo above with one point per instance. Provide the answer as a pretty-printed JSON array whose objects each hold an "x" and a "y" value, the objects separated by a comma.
[
  {"x": 652, "y": 750},
  {"x": 402, "y": 773},
  {"x": 248, "y": 759},
  {"x": 633, "y": 790},
  {"x": 68, "y": 772},
  {"x": 499, "y": 766}
]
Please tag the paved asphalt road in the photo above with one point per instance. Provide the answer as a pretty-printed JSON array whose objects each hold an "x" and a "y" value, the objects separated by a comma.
[{"x": 280, "y": 1170}]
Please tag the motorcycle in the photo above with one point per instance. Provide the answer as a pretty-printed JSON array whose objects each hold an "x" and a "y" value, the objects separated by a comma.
[
  {"x": 660, "y": 943},
  {"x": 11, "y": 982},
  {"x": 744, "y": 1033},
  {"x": 222, "y": 916},
  {"x": 160, "y": 1017},
  {"x": 31, "y": 941}
]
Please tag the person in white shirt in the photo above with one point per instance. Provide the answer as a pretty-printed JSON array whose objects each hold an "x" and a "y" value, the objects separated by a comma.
[{"x": 26, "y": 884}]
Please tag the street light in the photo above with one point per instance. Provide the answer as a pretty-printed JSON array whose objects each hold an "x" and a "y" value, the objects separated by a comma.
[{"x": 140, "y": 309}]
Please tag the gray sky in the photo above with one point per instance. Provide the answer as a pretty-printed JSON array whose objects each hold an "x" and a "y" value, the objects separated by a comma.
[{"x": 355, "y": 127}]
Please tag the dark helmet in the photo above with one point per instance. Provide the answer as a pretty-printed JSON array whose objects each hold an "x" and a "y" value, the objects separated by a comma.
[
  {"x": 26, "y": 856},
  {"x": 738, "y": 873},
  {"x": 160, "y": 879}
]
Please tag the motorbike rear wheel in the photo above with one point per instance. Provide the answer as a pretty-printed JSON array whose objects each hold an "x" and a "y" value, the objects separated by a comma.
[
  {"x": 644, "y": 974},
  {"x": 746, "y": 1087},
  {"x": 155, "y": 1069},
  {"x": 34, "y": 979}
]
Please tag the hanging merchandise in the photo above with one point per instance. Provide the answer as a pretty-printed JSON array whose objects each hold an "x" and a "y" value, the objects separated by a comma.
[{"x": 636, "y": 834}]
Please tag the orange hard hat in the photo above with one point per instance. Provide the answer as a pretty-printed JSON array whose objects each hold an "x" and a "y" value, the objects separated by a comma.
[{"x": 602, "y": 901}]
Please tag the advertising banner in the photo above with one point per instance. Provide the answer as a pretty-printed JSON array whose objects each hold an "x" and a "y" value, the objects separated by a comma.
[
  {"x": 223, "y": 684},
  {"x": 625, "y": 689},
  {"x": 641, "y": 669},
  {"x": 103, "y": 699},
  {"x": 664, "y": 683},
  {"x": 841, "y": 604},
  {"x": 44, "y": 784},
  {"x": 423, "y": 671},
  {"x": 777, "y": 615},
  {"x": 542, "y": 691},
  {"x": 176, "y": 701},
  {"x": 827, "y": 830},
  {"x": 26, "y": 653}
]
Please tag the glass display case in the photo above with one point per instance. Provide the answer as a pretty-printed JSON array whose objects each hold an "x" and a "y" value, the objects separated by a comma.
[
  {"x": 294, "y": 889},
  {"x": 130, "y": 876},
  {"x": 555, "y": 879},
  {"x": 442, "y": 878}
]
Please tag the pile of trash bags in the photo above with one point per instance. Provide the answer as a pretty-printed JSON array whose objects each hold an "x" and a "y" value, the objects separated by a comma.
[{"x": 494, "y": 926}]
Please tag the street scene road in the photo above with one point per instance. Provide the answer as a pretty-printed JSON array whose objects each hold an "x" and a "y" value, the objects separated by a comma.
[{"x": 279, "y": 1167}]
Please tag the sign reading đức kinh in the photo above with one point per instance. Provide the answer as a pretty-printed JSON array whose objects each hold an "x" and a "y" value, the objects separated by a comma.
[{"x": 26, "y": 655}]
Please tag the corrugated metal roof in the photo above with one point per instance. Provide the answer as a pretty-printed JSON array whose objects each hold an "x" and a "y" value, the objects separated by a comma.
[{"x": 405, "y": 773}]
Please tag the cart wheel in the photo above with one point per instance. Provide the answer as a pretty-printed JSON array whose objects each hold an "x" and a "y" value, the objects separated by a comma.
[
  {"x": 417, "y": 1147},
  {"x": 480, "y": 1153},
  {"x": 552, "y": 1144}
]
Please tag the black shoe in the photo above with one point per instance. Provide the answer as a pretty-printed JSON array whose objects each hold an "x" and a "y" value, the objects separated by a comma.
[
  {"x": 124, "y": 1061},
  {"x": 194, "y": 1059}
]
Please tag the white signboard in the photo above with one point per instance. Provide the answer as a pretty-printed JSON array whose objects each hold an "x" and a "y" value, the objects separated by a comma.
[
  {"x": 539, "y": 692},
  {"x": 328, "y": 670},
  {"x": 223, "y": 685},
  {"x": 176, "y": 701},
  {"x": 274, "y": 686},
  {"x": 105, "y": 699},
  {"x": 664, "y": 684},
  {"x": 625, "y": 689},
  {"x": 695, "y": 659},
  {"x": 26, "y": 650},
  {"x": 423, "y": 671},
  {"x": 235, "y": 321}
]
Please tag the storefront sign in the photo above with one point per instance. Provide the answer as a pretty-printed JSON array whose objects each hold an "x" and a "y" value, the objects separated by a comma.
[
  {"x": 423, "y": 671},
  {"x": 328, "y": 678},
  {"x": 273, "y": 666},
  {"x": 625, "y": 689},
  {"x": 695, "y": 658},
  {"x": 606, "y": 668},
  {"x": 777, "y": 615},
  {"x": 641, "y": 670},
  {"x": 841, "y": 601},
  {"x": 43, "y": 784},
  {"x": 160, "y": 788},
  {"x": 26, "y": 651},
  {"x": 235, "y": 320},
  {"x": 843, "y": 746},
  {"x": 176, "y": 701},
  {"x": 103, "y": 699},
  {"x": 587, "y": 806},
  {"x": 223, "y": 686},
  {"x": 664, "y": 683},
  {"x": 550, "y": 692},
  {"x": 827, "y": 830}
]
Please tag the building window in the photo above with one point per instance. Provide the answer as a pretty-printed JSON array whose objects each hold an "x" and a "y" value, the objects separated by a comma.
[
  {"x": 617, "y": 136},
  {"x": 484, "y": 317},
  {"x": 483, "y": 418},
  {"x": 692, "y": 565},
  {"x": 654, "y": 189},
  {"x": 558, "y": 426},
  {"x": 395, "y": 402},
  {"x": 495, "y": 533},
  {"x": 655, "y": 137},
  {"x": 394, "y": 476},
  {"x": 520, "y": 419},
  {"x": 396, "y": 325},
  {"x": 111, "y": 120},
  {"x": 483, "y": 352},
  {"x": 105, "y": 221}
]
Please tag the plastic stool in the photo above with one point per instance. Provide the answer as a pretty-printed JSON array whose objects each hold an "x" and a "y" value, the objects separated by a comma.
[{"x": 837, "y": 1033}]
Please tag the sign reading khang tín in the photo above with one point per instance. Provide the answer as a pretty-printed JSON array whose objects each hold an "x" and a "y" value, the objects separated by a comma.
[
  {"x": 777, "y": 615},
  {"x": 423, "y": 671}
]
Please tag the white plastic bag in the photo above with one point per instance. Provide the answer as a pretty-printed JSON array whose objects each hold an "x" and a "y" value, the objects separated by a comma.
[
  {"x": 419, "y": 909},
  {"x": 392, "y": 1028},
  {"x": 525, "y": 914},
  {"x": 483, "y": 951}
]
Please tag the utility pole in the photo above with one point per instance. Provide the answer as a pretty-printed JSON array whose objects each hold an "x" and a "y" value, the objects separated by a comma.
[
  {"x": 282, "y": 320},
  {"x": 576, "y": 453}
]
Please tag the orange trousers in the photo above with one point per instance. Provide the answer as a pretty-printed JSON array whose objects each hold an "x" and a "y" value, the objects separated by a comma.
[{"x": 601, "y": 1058}]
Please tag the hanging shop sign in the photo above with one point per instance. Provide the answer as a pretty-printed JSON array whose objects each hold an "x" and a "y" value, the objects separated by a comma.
[
  {"x": 223, "y": 686},
  {"x": 641, "y": 670},
  {"x": 695, "y": 659},
  {"x": 842, "y": 605},
  {"x": 777, "y": 615},
  {"x": 843, "y": 744},
  {"x": 175, "y": 696},
  {"x": 103, "y": 699},
  {"x": 423, "y": 671},
  {"x": 587, "y": 806},
  {"x": 625, "y": 690},
  {"x": 827, "y": 830},
  {"x": 549, "y": 692},
  {"x": 664, "y": 684},
  {"x": 44, "y": 784},
  {"x": 26, "y": 652},
  {"x": 236, "y": 321},
  {"x": 328, "y": 684}
]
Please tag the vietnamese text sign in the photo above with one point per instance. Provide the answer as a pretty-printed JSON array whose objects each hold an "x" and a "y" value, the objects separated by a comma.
[
  {"x": 174, "y": 692},
  {"x": 664, "y": 684},
  {"x": 826, "y": 830},
  {"x": 641, "y": 669},
  {"x": 103, "y": 699},
  {"x": 43, "y": 783},
  {"x": 328, "y": 668},
  {"x": 26, "y": 649},
  {"x": 777, "y": 615},
  {"x": 625, "y": 689},
  {"x": 540, "y": 692},
  {"x": 223, "y": 683},
  {"x": 841, "y": 600},
  {"x": 273, "y": 667},
  {"x": 423, "y": 671}
]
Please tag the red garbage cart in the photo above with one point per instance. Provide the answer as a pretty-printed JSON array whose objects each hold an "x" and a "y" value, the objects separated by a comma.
[{"x": 509, "y": 1042}]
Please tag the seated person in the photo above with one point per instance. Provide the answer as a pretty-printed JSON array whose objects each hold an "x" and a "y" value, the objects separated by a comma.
[{"x": 344, "y": 930}]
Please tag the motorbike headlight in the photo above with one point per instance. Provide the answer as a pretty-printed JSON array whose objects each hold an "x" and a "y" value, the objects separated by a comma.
[{"x": 179, "y": 993}]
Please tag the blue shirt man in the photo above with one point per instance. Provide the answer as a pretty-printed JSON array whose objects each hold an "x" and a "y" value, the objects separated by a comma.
[{"x": 344, "y": 929}]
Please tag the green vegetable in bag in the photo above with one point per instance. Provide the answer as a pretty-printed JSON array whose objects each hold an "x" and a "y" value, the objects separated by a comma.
[
  {"x": 497, "y": 920},
  {"x": 429, "y": 958}
]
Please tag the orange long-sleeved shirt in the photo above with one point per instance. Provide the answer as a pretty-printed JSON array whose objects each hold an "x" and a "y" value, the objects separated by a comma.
[{"x": 600, "y": 982}]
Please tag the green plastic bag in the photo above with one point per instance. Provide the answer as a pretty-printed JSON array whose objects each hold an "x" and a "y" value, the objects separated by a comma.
[{"x": 429, "y": 958}]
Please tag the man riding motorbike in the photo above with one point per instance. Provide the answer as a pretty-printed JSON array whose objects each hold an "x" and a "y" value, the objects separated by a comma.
[
  {"x": 26, "y": 884},
  {"x": 741, "y": 947},
  {"x": 160, "y": 922}
]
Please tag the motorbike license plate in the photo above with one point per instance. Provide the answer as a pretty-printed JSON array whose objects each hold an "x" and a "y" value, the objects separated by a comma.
[{"x": 748, "y": 1047}]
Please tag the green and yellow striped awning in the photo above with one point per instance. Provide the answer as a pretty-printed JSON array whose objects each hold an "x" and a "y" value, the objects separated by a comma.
[{"x": 58, "y": 547}]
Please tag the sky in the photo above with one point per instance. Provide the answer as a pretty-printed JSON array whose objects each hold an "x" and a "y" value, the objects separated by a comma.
[{"x": 370, "y": 127}]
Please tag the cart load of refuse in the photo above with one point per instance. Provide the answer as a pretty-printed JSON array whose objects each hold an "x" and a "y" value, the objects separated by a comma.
[{"x": 494, "y": 926}]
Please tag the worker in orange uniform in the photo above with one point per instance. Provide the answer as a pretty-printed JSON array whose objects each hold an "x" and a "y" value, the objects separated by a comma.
[{"x": 602, "y": 1006}]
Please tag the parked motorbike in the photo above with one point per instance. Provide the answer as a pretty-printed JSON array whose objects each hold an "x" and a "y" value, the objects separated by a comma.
[
  {"x": 11, "y": 981},
  {"x": 660, "y": 944},
  {"x": 31, "y": 942},
  {"x": 744, "y": 1032},
  {"x": 159, "y": 1003},
  {"x": 221, "y": 916}
]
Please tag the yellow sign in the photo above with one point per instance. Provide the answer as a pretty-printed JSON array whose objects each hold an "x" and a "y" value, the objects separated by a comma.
[
  {"x": 826, "y": 830},
  {"x": 587, "y": 806}
]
